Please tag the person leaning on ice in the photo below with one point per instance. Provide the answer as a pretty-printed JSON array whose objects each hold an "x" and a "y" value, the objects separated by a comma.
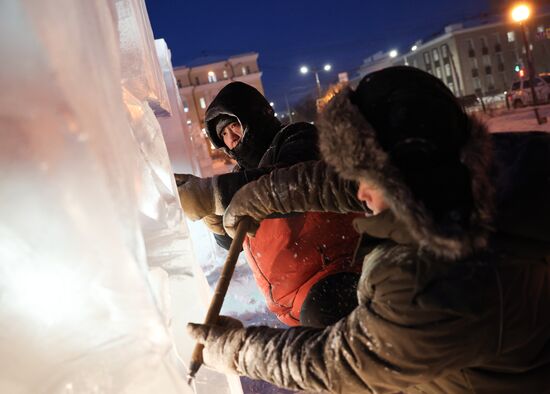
[{"x": 455, "y": 296}]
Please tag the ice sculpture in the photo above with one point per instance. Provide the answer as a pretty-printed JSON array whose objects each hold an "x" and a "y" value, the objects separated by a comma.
[
  {"x": 179, "y": 144},
  {"x": 141, "y": 73},
  {"x": 97, "y": 272}
]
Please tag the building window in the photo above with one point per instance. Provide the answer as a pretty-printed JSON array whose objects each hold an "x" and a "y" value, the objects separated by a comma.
[
  {"x": 473, "y": 62},
  {"x": 471, "y": 48},
  {"x": 477, "y": 85},
  {"x": 415, "y": 63},
  {"x": 500, "y": 62},
  {"x": 498, "y": 47},
  {"x": 248, "y": 69},
  {"x": 486, "y": 60},
  {"x": 448, "y": 71},
  {"x": 427, "y": 61},
  {"x": 197, "y": 81},
  {"x": 243, "y": 69},
  {"x": 212, "y": 77},
  {"x": 202, "y": 102},
  {"x": 444, "y": 51},
  {"x": 511, "y": 36},
  {"x": 490, "y": 81},
  {"x": 185, "y": 106},
  {"x": 484, "y": 47},
  {"x": 438, "y": 72},
  {"x": 435, "y": 54},
  {"x": 451, "y": 86},
  {"x": 225, "y": 74},
  {"x": 188, "y": 122},
  {"x": 179, "y": 83}
]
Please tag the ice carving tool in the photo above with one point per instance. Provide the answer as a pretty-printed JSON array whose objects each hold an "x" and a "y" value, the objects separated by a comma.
[{"x": 219, "y": 294}]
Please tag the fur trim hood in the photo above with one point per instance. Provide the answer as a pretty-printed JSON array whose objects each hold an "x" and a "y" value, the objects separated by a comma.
[{"x": 349, "y": 143}]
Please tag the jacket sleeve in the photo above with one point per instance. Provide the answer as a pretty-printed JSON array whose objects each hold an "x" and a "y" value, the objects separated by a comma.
[
  {"x": 308, "y": 186},
  {"x": 294, "y": 144},
  {"x": 388, "y": 343}
]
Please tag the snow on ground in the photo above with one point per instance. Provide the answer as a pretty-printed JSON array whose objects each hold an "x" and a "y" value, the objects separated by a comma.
[{"x": 521, "y": 119}]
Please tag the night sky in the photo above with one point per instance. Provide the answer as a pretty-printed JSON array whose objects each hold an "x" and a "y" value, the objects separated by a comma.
[{"x": 288, "y": 34}]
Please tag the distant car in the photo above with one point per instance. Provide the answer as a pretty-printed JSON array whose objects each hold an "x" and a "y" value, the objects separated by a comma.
[{"x": 520, "y": 94}]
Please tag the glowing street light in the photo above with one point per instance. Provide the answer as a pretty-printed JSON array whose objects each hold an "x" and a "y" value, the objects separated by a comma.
[
  {"x": 414, "y": 48},
  {"x": 393, "y": 53},
  {"x": 305, "y": 70},
  {"x": 520, "y": 14},
  {"x": 272, "y": 103}
]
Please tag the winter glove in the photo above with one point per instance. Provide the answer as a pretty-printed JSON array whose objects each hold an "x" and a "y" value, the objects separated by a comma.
[
  {"x": 222, "y": 343},
  {"x": 214, "y": 224},
  {"x": 307, "y": 186},
  {"x": 197, "y": 196}
]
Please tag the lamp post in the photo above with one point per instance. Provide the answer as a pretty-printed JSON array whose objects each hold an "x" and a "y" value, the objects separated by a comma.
[
  {"x": 305, "y": 70},
  {"x": 520, "y": 14}
]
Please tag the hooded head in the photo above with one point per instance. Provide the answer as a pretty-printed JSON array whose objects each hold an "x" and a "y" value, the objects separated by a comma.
[
  {"x": 404, "y": 131},
  {"x": 244, "y": 103}
]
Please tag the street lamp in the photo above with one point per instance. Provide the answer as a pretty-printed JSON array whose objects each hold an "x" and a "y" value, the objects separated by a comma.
[
  {"x": 520, "y": 14},
  {"x": 305, "y": 70}
]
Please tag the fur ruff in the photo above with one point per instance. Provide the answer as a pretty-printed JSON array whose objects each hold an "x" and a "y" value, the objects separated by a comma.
[{"x": 348, "y": 143}]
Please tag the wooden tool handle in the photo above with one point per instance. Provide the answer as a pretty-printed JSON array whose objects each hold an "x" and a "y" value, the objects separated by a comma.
[{"x": 220, "y": 292}]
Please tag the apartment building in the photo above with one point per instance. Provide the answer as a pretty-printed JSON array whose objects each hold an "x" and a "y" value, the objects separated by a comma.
[{"x": 478, "y": 59}]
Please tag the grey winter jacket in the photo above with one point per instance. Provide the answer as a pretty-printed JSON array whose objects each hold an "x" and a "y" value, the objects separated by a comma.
[{"x": 429, "y": 320}]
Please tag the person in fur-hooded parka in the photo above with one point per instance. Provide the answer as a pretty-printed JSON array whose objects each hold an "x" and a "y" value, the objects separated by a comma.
[{"x": 454, "y": 296}]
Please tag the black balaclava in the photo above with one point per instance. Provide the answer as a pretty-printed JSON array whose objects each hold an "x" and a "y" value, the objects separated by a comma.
[{"x": 256, "y": 116}]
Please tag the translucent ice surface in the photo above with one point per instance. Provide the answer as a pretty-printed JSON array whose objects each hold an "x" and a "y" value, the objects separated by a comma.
[
  {"x": 141, "y": 73},
  {"x": 97, "y": 271}
]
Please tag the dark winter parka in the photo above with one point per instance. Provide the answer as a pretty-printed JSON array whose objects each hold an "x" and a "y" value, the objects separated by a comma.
[
  {"x": 455, "y": 298},
  {"x": 288, "y": 255}
]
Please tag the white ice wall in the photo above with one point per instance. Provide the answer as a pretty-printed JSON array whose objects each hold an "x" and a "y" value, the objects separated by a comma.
[{"x": 97, "y": 272}]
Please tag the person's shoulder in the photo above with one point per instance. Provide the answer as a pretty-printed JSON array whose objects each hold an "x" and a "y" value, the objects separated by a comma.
[
  {"x": 298, "y": 130},
  {"x": 404, "y": 278}
]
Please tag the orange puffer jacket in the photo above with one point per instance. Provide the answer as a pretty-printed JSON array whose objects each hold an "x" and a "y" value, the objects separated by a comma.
[{"x": 289, "y": 255}]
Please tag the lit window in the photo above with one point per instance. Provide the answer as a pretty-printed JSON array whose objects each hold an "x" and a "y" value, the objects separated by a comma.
[
  {"x": 445, "y": 51},
  {"x": 212, "y": 76},
  {"x": 435, "y": 54},
  {"x": 426, "y": 57},
  {"x": 438, "y": 72},
  {"x": 448, "y": 69},
  {"x": 540, "y": 29},
  {"x": 511, "y": 36},
  {"x": 243, "y": 69},
  {"x": 185, "y": 106},
  {"x": 225, "y": 74},
  {"x": 202, "y": 102},
  {"x": 189, "y": 122}
]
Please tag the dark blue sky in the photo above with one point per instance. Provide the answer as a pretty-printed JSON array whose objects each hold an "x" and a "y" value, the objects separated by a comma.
[{"x": 288, "y": 34}]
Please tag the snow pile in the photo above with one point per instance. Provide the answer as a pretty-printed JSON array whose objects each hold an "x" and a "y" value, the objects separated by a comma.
[{"x": 97, "y": 271}]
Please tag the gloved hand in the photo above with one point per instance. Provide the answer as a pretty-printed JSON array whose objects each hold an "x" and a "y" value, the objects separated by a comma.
[
  {"x": 222, "y": 343},
  {"x": 196, "y": 195},
  {"x": 214, "y": 224}
]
